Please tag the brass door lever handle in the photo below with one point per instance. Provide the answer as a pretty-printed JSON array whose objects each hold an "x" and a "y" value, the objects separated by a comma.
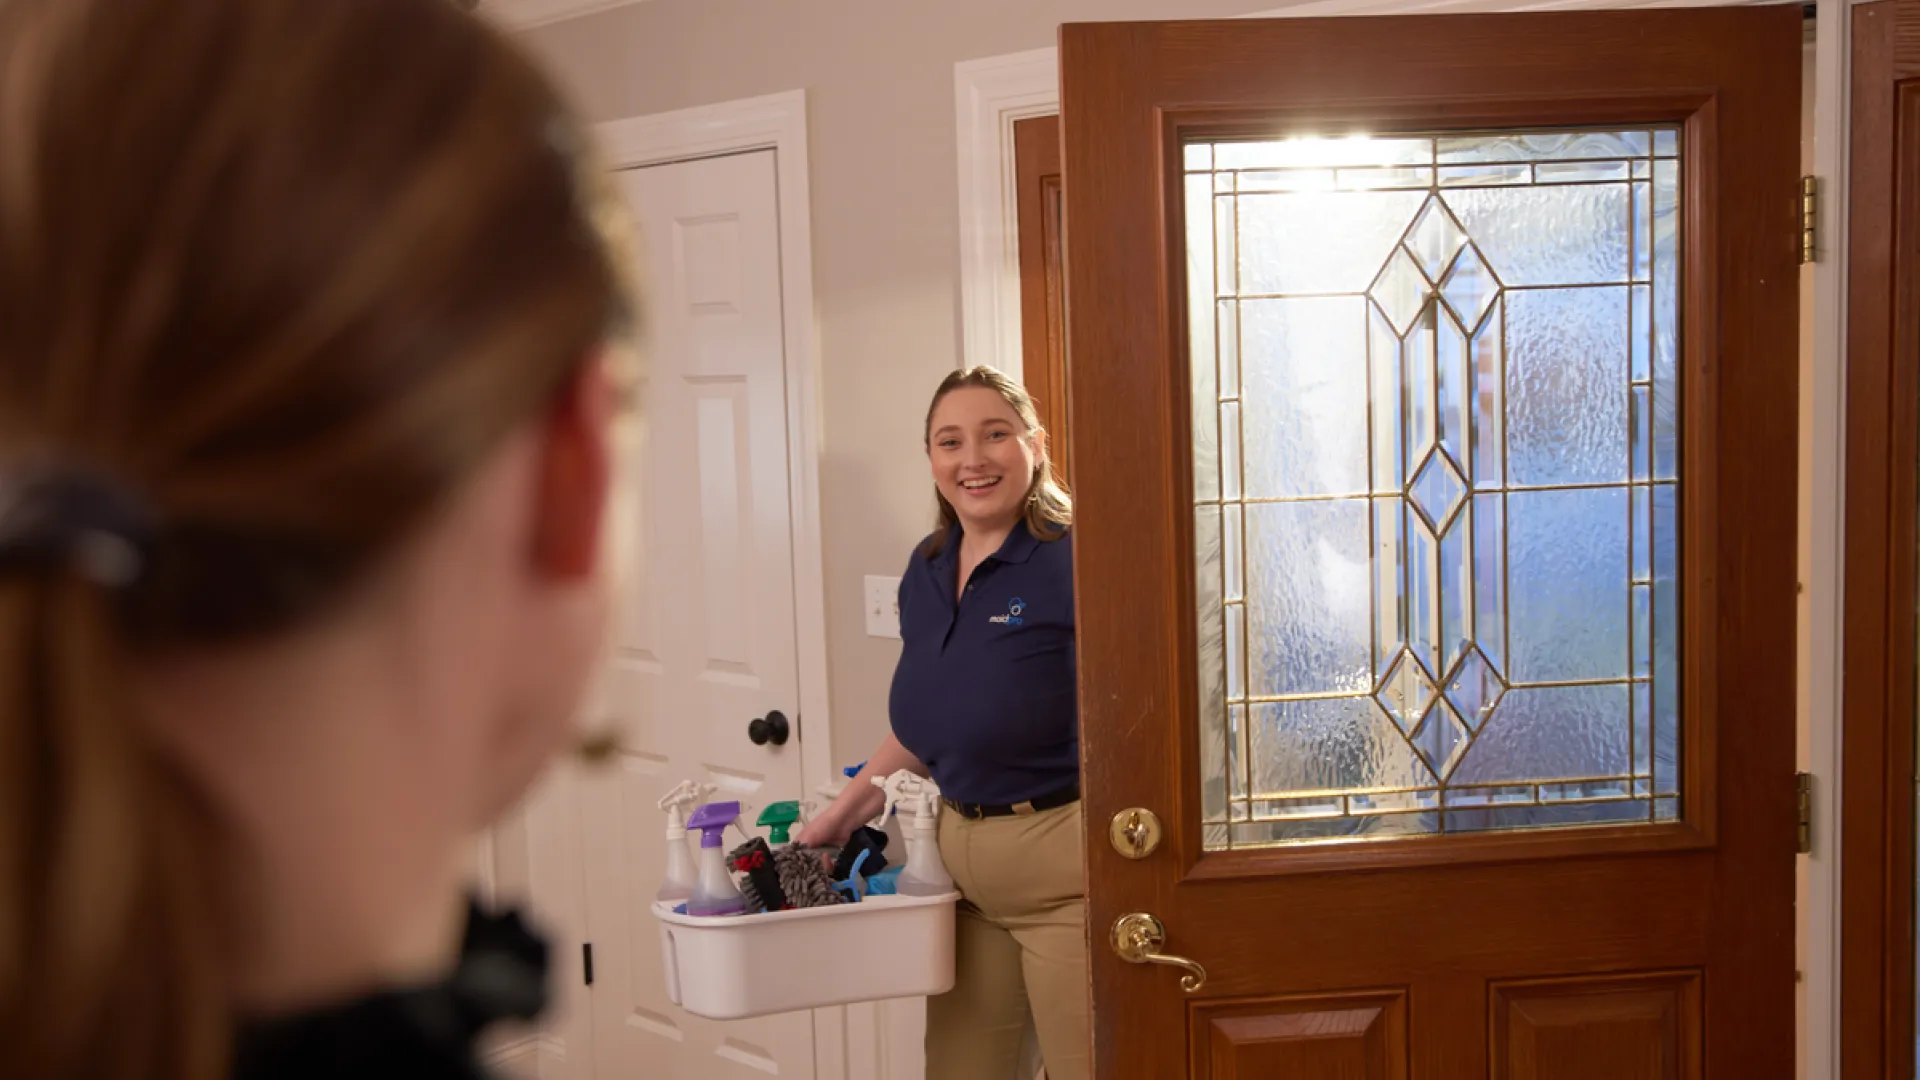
[{"x": 1137, "y": 939}]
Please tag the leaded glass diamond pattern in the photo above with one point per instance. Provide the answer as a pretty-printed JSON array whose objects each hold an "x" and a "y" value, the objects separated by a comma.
[
  {"x": 1434, "y": 238},
  {"x": 1428, "y": 320},
  {"x": 1474, "y": 689},
  {"x": 1406, "y": 693},
  {"x": 1469, "y": 287},
  {"x": 1441, "y": 740},
  {"x": 1437, "y": 491},
  {"x": 1401, "y": 290}
]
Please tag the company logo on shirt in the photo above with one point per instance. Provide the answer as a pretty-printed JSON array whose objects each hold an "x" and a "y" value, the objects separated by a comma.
[{"x": 1012, "y": 618}]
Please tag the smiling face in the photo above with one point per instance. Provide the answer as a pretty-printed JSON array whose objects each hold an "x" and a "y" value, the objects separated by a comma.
[{"x": 984, "y": 457}]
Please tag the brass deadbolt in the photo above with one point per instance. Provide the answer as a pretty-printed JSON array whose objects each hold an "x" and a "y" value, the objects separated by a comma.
[{"x": 1135, "y": 832}]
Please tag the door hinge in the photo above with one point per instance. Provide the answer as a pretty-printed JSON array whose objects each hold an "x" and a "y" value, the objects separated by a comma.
[
  {"x": 586, "y": 961},
  {"x": 1809, "y": 219},
  {"x": 1803, "y": 809}
]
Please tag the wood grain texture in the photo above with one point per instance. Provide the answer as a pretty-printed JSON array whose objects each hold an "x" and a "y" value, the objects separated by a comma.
[
  {"x": 1883, "y": 382},
  {"x": 1611, "y": 1028},
  {"x": 1442, "y": 917},
  {"x": 1339, "y": 1037},
  {"x": 1043, "y": 331}
]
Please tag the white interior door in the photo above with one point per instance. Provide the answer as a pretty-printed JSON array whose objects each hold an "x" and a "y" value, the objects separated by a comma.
[{"x": 705, "y": 641}]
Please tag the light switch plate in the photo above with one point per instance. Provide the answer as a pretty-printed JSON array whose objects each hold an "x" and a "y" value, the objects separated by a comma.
[{"x": 883, "y": 607}]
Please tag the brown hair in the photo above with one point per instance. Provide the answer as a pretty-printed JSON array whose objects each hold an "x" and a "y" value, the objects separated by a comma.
[
  {"x": 1049, "y": 512},
  {"x": 283, "y": 273}
]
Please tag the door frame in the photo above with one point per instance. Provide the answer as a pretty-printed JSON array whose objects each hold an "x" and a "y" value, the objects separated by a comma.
[
  {"x": 992, "y": 93},
  {"x": 542, "y": 836},
  {"x": 778, "y": 122},
  {"x": 1877, "y": 934}
]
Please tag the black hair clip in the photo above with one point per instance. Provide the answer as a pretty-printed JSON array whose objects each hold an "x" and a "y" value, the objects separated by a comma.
[{"x": 65, "y": 519}]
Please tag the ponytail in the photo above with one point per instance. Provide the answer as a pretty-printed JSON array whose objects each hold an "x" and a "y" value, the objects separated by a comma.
[{"x": 109, "y": 962}]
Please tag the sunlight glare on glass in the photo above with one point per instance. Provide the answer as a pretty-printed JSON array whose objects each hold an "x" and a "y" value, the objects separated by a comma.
[{"x": 1323, "y": 152}]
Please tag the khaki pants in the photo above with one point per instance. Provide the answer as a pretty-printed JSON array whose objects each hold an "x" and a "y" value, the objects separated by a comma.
[{"x": 1022, "y": 930}]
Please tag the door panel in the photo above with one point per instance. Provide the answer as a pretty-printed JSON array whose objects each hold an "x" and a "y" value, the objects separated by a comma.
[
  {"x": 1444, "y": 402},
  {"x": 1043, "y": 345},
  {"x": 706, "y": 644},
  {"x": 1355, "y": 1037},
  {"x": 1634, "y": 1028}
]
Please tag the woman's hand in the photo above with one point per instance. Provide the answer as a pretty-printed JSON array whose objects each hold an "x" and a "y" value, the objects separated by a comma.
[{"x": 829, "y": 829}]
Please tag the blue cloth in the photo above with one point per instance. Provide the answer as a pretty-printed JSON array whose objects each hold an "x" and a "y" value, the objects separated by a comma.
[{"x": 984, "y": 693}]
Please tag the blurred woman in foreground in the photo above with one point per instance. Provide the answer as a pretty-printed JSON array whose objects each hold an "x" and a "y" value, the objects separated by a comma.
[{"x": 306, "y": 395}]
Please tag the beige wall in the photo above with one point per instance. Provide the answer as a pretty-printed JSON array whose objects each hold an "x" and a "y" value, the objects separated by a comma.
[{"x": 879, "y": 80}]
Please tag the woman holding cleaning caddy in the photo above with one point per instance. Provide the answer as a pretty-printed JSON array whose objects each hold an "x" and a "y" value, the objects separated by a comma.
[{"x": 984, "y": 701}]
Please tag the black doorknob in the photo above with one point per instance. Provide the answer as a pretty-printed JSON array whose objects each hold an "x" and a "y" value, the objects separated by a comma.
[{"x": 771, "y": 728}]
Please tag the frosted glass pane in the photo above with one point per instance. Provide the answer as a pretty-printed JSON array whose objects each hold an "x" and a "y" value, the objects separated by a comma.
[
  {"x": 1308, "y": 617},
  {"x": 1551, "y": 733},
  {"x": 1226, "y": 245},
  {"x": 1383, "y": 360},
  {"x": 1666, "y": 640},
  {"x": 1305, "y": 396},
  {"x": 1489, "y": 398},
  {"x": 1389, "y": 567},
  {"x": 1227, "y": 335},
  {"x": 1490, "y": 578},
  {"x": 1561, "y": 235},
  {"x": 1286, "y": 180},
  {"x": 1330, "y": 743},
  {"x": 1581, "y": 172},
  {"x": 1567, "y": 584},
  {"x": 1641, "y": 333},
  {"x": 1455, "y": 390},
  {"x": 1211, "y": 648},
  {"x": 1567, "y": 386},
  {"x": 1381, "y": 179},
  {"x": 1440, "y": 412},
  {"x": 1203, "y": 361},
  {"x": 1231, "y": 469},
  {"x": 1321, "y": 242},
  {"x": 1484, "y": 175},
  {"x": 1316, "y": 153},
  {"x": 1545, "y": 146},
  {"x": 1666, "y": 319}
]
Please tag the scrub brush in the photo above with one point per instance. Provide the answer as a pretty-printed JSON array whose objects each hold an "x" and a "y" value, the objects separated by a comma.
[
  {"x": 806, "y": 876},
  {"x": 760, "y": 881}
]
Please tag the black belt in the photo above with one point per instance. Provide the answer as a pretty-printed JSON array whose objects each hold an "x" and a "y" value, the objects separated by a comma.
[{"x": 1066, "y": 796}]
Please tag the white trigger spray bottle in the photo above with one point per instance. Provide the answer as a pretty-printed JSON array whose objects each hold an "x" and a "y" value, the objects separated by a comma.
[
  {"x": 925, "y": 874},
  {"x": 682, "y": 876}
]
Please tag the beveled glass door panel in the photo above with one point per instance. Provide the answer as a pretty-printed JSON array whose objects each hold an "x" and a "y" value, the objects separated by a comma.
[{"x": 1436, "y": 451}]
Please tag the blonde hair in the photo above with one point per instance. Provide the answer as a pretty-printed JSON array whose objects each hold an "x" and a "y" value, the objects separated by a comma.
[
  {"x": 1049, "y": 507},
  {"x": 285, "y": 298}
]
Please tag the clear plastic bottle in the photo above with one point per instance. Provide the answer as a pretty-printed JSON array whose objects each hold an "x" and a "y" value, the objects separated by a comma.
[
  {"x": 714, "y": 892},
  {"x": 682, "y": 875}
]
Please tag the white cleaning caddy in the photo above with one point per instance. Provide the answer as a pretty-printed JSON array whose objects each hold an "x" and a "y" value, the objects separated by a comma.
[{"x": 737, "y": 966}]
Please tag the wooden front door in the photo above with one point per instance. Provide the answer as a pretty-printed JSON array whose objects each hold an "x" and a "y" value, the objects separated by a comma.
[{"x": 1432, "y": 401}]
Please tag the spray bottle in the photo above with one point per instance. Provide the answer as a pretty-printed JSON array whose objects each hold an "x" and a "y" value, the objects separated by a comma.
[
  {"x": 715, "y": 893},
  {"x": 779, "y": 819},
  {"x": 681, "y": 875},
  {"x": 925, "y": 874}
]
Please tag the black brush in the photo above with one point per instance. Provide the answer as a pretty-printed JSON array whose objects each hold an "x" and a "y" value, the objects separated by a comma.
[{"x": 761, "y": 884}]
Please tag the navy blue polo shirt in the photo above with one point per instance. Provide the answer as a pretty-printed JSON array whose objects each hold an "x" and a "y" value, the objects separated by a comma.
[{"x": 985, "y": 690}]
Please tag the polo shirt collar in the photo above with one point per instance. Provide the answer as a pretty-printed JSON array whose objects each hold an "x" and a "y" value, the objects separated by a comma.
[{"x": 1018, "y": 547}]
